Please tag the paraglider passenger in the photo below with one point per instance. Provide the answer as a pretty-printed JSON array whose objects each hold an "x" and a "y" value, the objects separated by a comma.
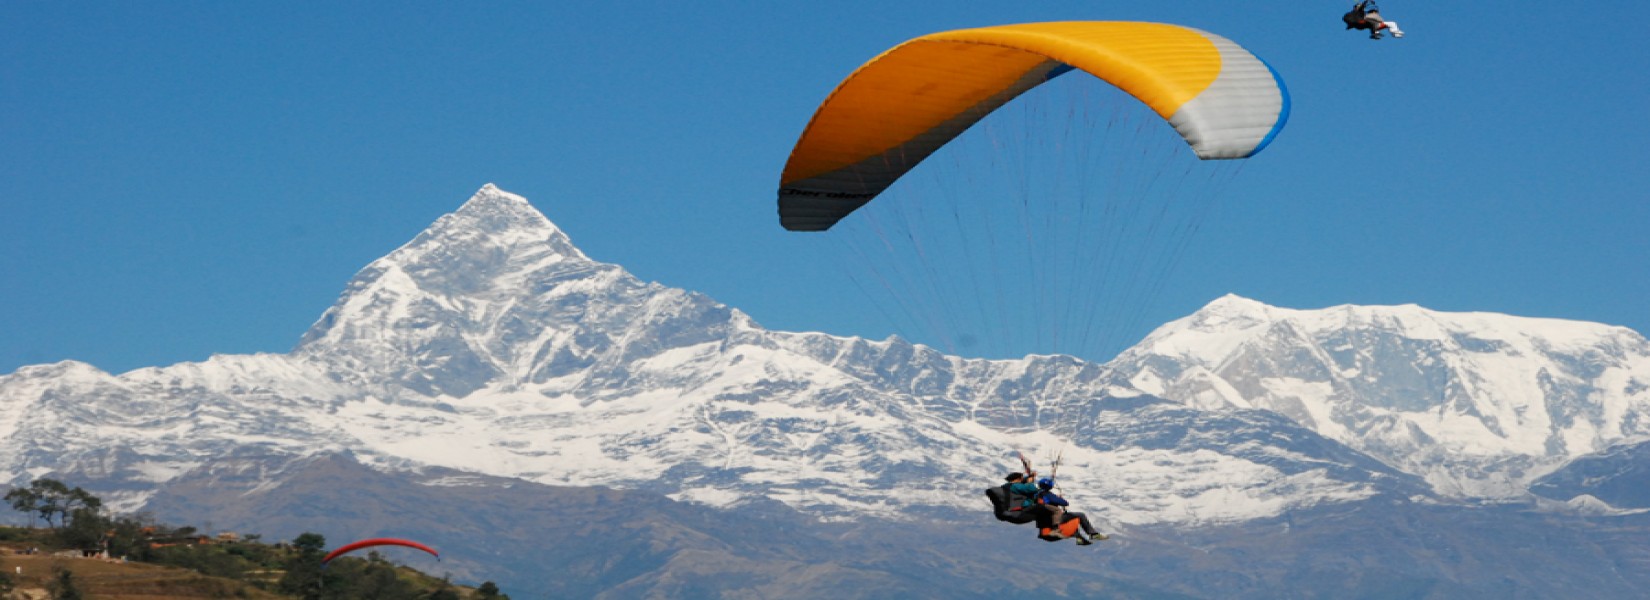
[
  {"x": 1053, "y": 517},
  {"x": 1365, "y": 15}
]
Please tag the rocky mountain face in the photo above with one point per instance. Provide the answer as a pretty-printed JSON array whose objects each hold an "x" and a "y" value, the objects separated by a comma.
[
  {"x": 489, "y": 363},
  {"x": 542, "y": 541},
  {"x": 1618, "y": 477}
]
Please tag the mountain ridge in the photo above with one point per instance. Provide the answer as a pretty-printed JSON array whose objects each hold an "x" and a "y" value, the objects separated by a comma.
[
  {"x": 1480, "y": 404},
  {"x": 491, "y": 344}
]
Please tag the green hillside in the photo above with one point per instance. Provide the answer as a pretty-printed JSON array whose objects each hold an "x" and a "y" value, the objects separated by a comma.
[{"x": 36, "y": 564}]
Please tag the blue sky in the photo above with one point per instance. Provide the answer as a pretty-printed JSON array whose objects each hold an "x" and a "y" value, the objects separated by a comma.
[{"x": 183, "y": 179}]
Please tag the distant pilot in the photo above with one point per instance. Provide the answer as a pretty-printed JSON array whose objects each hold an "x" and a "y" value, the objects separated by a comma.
[{"x": 1365, "y": 15}]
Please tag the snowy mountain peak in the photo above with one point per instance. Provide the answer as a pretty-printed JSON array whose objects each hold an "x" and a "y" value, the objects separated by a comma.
[
  {"x": 495, "y": 220},
  {"x": 504, "y": 209},
  {"x": 1230, "y": 311},
  {"x": 427, "y": 311},
  {"x": 1231, "y": 317},
  {"x": 1233, "y": 303},
  {"x": 61, "y": 369},
  {"x": 1479, "y": 402}
]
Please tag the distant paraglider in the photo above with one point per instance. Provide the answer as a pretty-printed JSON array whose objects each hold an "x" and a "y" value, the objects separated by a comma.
[
  {"x": 1365, "y": 15},
  {"x": 368, "y": 543}
]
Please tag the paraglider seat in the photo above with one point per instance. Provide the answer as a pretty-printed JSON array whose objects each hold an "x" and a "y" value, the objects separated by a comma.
[{"x": 1065, "y": 530}]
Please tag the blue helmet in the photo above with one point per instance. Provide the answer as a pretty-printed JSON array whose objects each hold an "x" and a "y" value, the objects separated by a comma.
[{"x": 1045, "y": 483}]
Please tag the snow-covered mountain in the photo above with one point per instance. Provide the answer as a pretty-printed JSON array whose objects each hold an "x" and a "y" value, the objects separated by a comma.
[
  {"x": 1478, "y": 404},
  {"x": 490, "y": 344}
]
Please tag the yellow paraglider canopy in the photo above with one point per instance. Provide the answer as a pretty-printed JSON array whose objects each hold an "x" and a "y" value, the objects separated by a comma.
[{"x": 903, "y": 105}]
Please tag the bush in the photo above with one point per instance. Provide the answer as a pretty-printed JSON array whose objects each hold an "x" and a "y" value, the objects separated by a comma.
[
  {"x": 209, "y": 560},
  {"x": 62, "y": 586}
]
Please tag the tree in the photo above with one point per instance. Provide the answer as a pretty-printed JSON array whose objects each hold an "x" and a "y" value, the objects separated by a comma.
[
  {"x": 128, "y": 538},
  {"x": 62, "y": 586},
  {"x": 86, "y": 530},
  {"x": 53, "y": 494},
  {"x": 25, "y": 500},
  {"x": 51, "y": 499},
  {"x": 303, "y": 571},
  {"x": 490, "y": 591},
  {"x": 310, "y": 543}
]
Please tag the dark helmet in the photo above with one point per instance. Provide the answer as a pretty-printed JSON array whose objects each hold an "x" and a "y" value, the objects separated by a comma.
[
  {"x": 1015, "y": 476},
  {"x": 1045, "y": 483}
]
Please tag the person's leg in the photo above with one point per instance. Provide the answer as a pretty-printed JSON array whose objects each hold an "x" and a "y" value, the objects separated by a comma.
[
  {"x": 1393, "y": 25},
  {"x": 1047, "y": 527},
  {"x": 1083, "y": 520},
  {"x": 1076, "y": 533}
]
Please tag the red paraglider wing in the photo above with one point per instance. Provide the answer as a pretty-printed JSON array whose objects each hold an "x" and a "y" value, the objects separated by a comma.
[{"x": 352, "y": 546}]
